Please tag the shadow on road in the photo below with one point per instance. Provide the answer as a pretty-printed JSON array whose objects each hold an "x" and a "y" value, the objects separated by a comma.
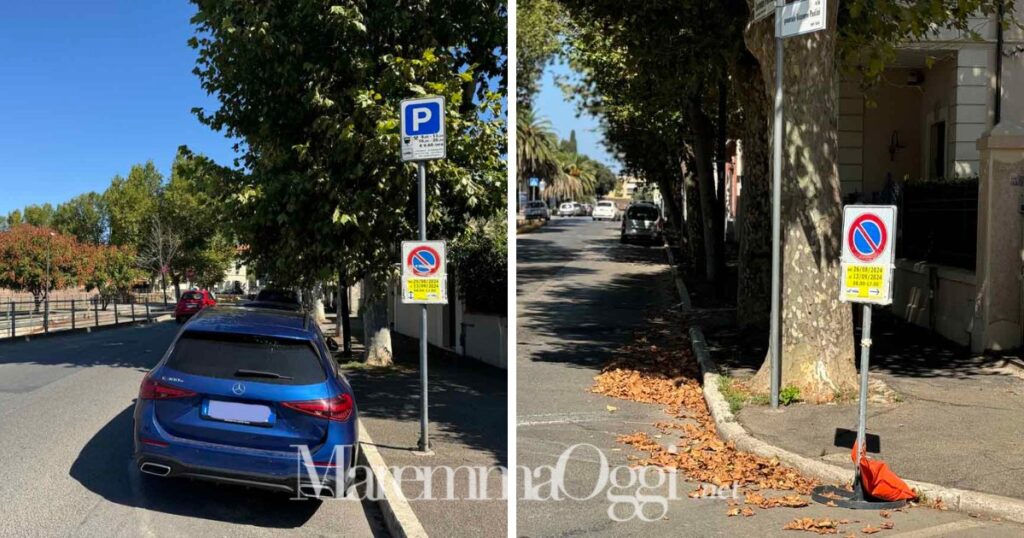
[
  {"x": 105, "y": 467},
  {"x": 584, "y": 319},
  {"x": 467, "y": 398}
]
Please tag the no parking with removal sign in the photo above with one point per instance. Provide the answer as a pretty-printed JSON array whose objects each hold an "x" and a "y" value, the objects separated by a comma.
[
  {"x": 423, "y": 272},
  {"x": 867, "y": 264}
]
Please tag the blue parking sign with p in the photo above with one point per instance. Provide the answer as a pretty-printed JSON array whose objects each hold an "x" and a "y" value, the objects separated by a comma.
[
  {"x": 423, "y": 131},
  {"x": 422, "y": 119}
]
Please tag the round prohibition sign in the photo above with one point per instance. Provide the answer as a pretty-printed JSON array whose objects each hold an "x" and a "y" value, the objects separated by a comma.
[
  {"x": 867, "y": 237},
  {"x": 424, "y": 261}
]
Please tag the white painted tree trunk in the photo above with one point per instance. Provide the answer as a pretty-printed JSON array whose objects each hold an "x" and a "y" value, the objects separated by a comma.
[{"x": 375, "y": 325}]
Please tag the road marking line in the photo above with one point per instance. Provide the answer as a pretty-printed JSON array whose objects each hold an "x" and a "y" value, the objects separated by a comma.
[{"x": 940, "y": 530}]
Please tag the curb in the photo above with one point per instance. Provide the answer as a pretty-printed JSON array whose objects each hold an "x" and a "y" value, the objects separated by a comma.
[
  {"x": 729, "y": 429},
  {"x": 87, "y": 329},
  {"x": 399, "y": 518}
]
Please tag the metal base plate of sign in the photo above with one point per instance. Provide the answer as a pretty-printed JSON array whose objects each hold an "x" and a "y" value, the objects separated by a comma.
[{"x": 855, "y": 499}]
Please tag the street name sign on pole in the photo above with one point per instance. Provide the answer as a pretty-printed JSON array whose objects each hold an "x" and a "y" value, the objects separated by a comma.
[
  {"x": 803, "y": 17},
  {"x": 763, "y": 9},
  {"x": 424, "y": 139},
  {"x": 869, "y": 237}
]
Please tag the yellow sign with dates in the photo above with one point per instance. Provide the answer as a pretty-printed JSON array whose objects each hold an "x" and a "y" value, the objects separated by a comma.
[
  {"x": 866, "y": 283},
  {"x": 424, "y": 290}
]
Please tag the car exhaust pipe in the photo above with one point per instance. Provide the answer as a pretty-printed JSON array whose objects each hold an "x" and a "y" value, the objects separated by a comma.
[
  {"x": 155, "y": 469},
  {"x": 308, "y": 490}
]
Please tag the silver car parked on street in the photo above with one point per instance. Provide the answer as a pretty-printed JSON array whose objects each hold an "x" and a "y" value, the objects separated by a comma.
[{"x": 642, "y": 222}]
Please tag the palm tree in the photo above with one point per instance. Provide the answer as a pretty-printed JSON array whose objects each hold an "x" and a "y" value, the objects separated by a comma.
[
  {"x": 577, "y": 178},
  {"x": 536, "y": 146}
]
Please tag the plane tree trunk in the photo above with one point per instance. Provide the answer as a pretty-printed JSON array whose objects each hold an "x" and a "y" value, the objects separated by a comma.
[
  {"x": 754, "y": 221},
  {"x": 375, "y": 323},
  {"x": 817, "y": 330},
  {"x": 703, "y": 152}
]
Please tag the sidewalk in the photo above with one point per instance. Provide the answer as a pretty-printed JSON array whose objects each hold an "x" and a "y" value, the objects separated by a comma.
[
  {"x": 958, "y": 421},
  {"x": 468, "y": 428}
]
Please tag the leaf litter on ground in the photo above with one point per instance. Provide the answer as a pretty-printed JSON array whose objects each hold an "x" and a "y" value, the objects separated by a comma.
[{"x": 657, "y": 367}]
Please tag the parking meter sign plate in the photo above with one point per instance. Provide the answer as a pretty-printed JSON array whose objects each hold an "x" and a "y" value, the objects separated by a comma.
[
  {"x": 868, "y": 254},
  {"x": 424, "y": 273},
  {"x": 423, "y": 129}
]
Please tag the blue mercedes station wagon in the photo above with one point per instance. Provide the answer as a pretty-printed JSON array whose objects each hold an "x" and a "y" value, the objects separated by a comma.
[{"x": 252, "y": 397}]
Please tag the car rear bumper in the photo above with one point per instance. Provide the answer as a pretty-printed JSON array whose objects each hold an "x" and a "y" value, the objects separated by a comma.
[
  {"x": 332, "y": 478},
  {"x": 268, "y": 469}
]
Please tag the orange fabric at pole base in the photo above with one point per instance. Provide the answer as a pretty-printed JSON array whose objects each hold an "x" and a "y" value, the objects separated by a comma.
[{"x": 879, "y": 481}]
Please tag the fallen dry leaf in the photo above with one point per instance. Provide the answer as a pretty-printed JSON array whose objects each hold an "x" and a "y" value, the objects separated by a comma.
[
  {"x": 884, "y": 513},
  {"x": 870, "y": 530},
  {"x": 611, "y": 408},
  {"x": 888, "y": 525},
  {"x": 818, "y": 526}
]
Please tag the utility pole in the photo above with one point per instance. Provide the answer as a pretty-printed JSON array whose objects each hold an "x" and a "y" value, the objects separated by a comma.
[{"x": 46, "y": 292}]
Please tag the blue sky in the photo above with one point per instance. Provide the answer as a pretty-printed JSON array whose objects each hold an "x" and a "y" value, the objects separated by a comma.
[
  {"x": 89, "y": 88},
  {"x": 551, "y": 103}
]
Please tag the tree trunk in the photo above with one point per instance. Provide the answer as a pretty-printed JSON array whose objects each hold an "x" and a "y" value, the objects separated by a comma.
[
  {"x": 669, "y": 190},
  {"x": 721, "y": 134},
  {"x": 754, "y": 221},
  {"x": 817, "y": 330},
  {"x": 317, "y": 296},
  {"x": 375, "y": 324},
  {"x": 696, "y": 254},
  {"x": 344, "y": 311},
  {"x": 704, "y": 158}
]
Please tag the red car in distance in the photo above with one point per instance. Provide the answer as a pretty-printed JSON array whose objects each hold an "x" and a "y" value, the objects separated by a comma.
[{"x": 191, "y": 302}]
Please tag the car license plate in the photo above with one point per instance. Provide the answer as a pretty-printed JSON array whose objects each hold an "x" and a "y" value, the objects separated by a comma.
[{"x": 238, "y": 412}]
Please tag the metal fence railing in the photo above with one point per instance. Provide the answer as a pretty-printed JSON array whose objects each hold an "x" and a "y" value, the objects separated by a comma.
[{"x": 24, "y": 318}]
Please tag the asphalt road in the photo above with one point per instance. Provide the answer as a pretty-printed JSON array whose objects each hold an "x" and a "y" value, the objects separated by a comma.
[
  {"x": 65, "y": 434},
  {"x": 580, "y": 294}
]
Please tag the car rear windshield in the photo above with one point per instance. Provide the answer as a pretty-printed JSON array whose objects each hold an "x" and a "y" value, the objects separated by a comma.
[
  {"x": 643, "y": 213},
  {"x": 192, "y": 296},
  {"x": 255, "y": 358},
  {"x": 277, "y": 296},
  {"x": 536, "y": 204},
  {"x": 605, "y": 204}
]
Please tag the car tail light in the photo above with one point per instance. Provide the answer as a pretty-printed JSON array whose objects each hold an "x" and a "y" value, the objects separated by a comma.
[
  {"x": 154, "y": 390},
  {"x": 338, "y": 408}
]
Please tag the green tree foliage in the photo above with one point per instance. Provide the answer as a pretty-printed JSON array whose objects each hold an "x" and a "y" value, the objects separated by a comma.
[
  {"x": 869, "y": 31},
  {"x": 479, "y": 258},
  {"x": 325, "y": 188},
  {"x": 24, "y": 252},
  {"x": 39, "y": 215},
  {"x": 131, "y": 202},
  {"x": 14, "y": 218},
  {"x": 540, "y": 23},
  {"x": 536, "y": 147},
  {"x": 197, "y": 221},
  {"x": 84, "y": 216},
  {"x": 111, "y": 271}
]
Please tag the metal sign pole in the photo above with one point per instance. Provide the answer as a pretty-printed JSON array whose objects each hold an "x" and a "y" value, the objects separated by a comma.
[
  {"x": 424, "y": 436},
  {"x": 774, "y": 344},
  {"x": 865, "y": 352}
]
